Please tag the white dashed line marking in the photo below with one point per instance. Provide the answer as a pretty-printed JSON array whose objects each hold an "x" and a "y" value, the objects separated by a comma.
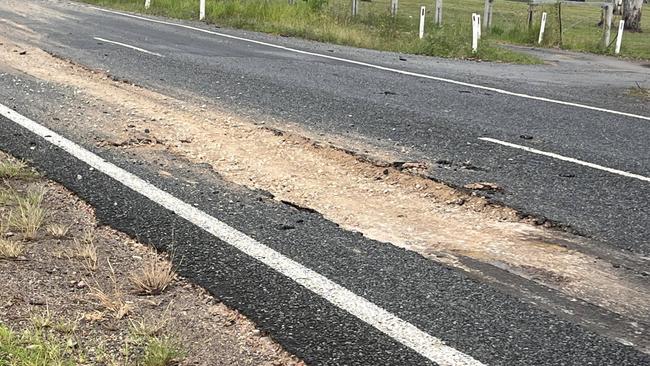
[
  {"x": 384, "y": 68},
  {"x": 128, "y": 46},
  {"x": 565, "y": 158}
]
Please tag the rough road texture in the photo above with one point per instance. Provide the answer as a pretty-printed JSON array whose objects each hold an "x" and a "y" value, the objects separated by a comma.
[
  {"x": 418, "y": 120},
  {"x": 413, "y": 212},
  {"x": 381, "y": 202}
]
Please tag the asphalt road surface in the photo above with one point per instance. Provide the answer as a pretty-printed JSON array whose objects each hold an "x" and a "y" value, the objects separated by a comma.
[
  {"x": 434, "y": 121},
  {"x": 332, "y": 296}
]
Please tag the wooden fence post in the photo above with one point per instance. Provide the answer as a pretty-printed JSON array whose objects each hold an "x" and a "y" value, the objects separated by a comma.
[
  {"x": 487, "y": 14},
  {"x": 607, "y": 24},
  {"x": 618, "y": 7},
  {"x": 530, "y": 15},
  {"x": 438, "y": 19}
]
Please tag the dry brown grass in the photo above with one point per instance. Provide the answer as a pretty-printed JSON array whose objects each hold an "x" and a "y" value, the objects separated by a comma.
[
  {"x": 4, "y": 227},
  {"x": 15, "y": 170},
  {"x": 10, "y": 249},
  {"x": 84, "y": 248},
  {"x": 8, "y": 195},
  {"x": 28, "y": 215},
  {"x": 639, "y": 91},
  {"x": 87, "y": 252},
  {"x": 153, "y": 277},
  {"x": 111, "y": 298},
  {"x": 58, "y": 231},
  {"x": 150, "y": 326}
]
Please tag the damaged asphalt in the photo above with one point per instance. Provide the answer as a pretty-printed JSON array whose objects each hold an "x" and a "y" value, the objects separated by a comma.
[
  {"x": 470, "y": 316},
  {"x": 419, "y": 120}
]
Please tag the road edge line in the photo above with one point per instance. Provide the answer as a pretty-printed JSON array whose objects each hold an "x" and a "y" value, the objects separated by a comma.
[{"x": 400, "y": 330}]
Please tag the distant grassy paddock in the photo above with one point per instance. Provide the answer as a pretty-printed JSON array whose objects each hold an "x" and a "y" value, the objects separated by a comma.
[{"x": 375, "y": 28}]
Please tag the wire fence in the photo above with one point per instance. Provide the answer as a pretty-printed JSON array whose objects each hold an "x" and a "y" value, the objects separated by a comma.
[{"x": 395, "y": 24}]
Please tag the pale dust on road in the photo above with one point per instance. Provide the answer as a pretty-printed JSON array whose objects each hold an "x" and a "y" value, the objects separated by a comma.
[{"x": 382, "y": 203}]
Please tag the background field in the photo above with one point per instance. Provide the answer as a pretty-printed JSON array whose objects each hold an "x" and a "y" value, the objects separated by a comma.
[{"x": 331, "y": 21}]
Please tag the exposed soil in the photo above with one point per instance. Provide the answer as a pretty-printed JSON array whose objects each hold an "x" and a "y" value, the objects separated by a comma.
[
  {"x": 47, "y": 282},
  {"x": 384, "y": 203}
]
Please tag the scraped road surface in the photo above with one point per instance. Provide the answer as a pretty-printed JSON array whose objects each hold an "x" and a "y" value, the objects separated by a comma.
[
  {"x": 328, "y": 295},
  {"x": 422, "y": 119}
]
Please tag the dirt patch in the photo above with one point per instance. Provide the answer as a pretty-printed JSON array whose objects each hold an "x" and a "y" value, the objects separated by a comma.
[
  {"x": 384, "y": 203},
  {"x": 50, "y": 289}
]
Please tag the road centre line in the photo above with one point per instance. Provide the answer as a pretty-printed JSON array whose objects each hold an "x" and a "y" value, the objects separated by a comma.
[
  {"x": 128, "y": 46},
  {"x": 565, "y": 158},
  {"x": 384, "y": 68},
  {"x": 400, "y": 330}
]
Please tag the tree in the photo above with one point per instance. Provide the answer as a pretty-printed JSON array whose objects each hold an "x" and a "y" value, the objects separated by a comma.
[{"x": 632, "y": 14}]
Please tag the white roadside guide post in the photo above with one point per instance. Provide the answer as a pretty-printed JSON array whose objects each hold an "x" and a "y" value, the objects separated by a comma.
[
  {"x": 619, "y": 37},
  {"x": 541, "y": 29},
  {"x": 202, "y": 10},
  {"x": 147, "y": 4},
  {"x": 438, "y": 12},
  {"x": 422, "y": 13},
  {"x": 355, "y": 8},
  {"x": 475, "y": 30},
  {"x": 393, "y": 7}
]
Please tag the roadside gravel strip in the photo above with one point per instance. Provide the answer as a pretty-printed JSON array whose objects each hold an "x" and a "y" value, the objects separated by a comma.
[{"x": 318, "y": 290}]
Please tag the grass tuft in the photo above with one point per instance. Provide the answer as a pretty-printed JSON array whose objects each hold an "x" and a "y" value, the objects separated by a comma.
[
  {"x": 10, "y": 249},
  {"x": 42, "y": 320},
  {"x": 8, "y": 196},
  {"x": 111, "y": 298},
  {"x": 84, "y": 248},
  {"x": 15, "y": 170},
  {"x": 57, "y": 231},
  {"x": 640, "y": 91},
  {"x": 162, "y": 352},
  {"x": 29, "y": 214},
  {"x": 153, "y": 277},
  {"x": 33, "y": 348}
]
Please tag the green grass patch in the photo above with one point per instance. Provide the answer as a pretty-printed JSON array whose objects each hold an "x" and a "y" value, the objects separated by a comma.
[
  {"x": 50, "y": 342},
  {"x": 36, "y": 347},
  {"x": 161, "y": 352},
  {"x": 331, "y": 22}
]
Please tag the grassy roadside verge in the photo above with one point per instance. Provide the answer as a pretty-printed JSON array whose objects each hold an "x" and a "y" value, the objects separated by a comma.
[
  {"x": 330, "y": 22},
  {"x": 73, "y": 293}
]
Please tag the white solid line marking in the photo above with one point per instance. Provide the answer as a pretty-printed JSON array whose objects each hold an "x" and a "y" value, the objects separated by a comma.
[
  {"x": 406, "y": 333},
  {"x": 565, "y": 158},
  {"x": 384, "y": 68},
  {"x": 128, "y": 46}
]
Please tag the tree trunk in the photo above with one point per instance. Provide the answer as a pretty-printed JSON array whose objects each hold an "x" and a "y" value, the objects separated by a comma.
[{"x": 632, "y": 14}]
